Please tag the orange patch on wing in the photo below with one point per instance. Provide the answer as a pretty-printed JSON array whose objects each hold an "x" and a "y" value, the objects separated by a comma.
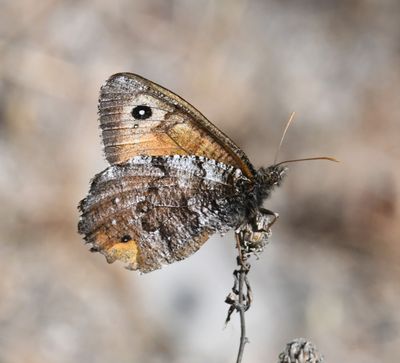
[
  {"x": 143, "y": 144},
  {"x": 113, "y": 250},
  {"x": 126, "y": 252}
]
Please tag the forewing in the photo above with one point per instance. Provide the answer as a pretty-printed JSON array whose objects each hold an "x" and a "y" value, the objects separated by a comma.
[
  {"x": 153, "y": 211},
  {"x": 171, "y": 127}
]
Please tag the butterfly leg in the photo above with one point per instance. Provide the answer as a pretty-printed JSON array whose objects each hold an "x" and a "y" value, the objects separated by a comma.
[
  {"x": 254, "y": 235},
  {"x": 271, "y": 216}
]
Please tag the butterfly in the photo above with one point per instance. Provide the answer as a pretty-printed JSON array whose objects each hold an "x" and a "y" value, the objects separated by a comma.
[{"x": 174, "y": 180}]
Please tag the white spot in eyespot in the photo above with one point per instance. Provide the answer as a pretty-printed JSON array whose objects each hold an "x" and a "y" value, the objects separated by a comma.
[
  {"x": 116, "y": 200},
  {"x": 135, "y": 126},
  {"x": 113, "y": 222}
]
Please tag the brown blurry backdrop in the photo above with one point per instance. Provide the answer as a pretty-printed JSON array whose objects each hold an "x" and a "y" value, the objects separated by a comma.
[{"x": 331, "y": 273}]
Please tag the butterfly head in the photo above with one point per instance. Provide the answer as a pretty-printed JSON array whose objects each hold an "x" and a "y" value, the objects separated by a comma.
[{"x": 267, "y": 179}]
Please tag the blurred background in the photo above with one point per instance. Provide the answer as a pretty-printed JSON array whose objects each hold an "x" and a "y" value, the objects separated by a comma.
[{"x": 331, "y": 272}]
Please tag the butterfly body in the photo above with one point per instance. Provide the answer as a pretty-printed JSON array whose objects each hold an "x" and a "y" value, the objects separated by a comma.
[{"x": 174, "y": 180}]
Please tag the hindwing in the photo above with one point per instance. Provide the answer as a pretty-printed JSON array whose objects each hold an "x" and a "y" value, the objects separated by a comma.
[{"x": 154, "y": 210}]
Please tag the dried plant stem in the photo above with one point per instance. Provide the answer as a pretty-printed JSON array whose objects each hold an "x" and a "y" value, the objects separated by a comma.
[
  {"x": 241, "y": 309},
  {"x": 240, "y": 297}
]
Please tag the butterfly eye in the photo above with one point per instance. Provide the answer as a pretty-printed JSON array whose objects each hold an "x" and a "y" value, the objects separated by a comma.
[
  {"x": 126, "y": 238},
  {"x": 141, "y": 112}
]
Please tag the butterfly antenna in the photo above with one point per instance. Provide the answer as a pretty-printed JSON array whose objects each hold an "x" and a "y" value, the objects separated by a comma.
[
  {"x": 291, "y": 118},
  {"x": 307, "y": 159}
]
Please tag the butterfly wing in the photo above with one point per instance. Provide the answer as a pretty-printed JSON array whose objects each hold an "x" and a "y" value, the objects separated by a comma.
[
  {"x": 139, "y": 117},
  {"x": 152, "y": 211}
]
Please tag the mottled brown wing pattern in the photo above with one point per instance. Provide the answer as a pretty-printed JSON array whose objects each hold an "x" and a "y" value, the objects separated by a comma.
[
  {"x": 139, "y": 117},
  {"x": 154, "y": 210}
]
